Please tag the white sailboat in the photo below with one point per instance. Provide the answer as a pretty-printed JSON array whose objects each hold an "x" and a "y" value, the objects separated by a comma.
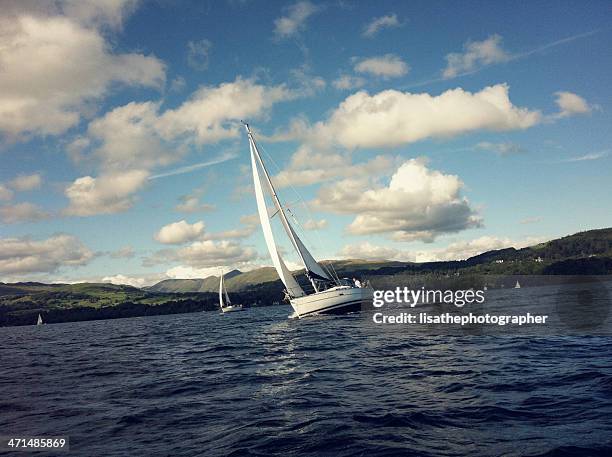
[
  {"x": 226, "y": 306},
  {"x": 517, "y": 285},
  {"x": 39, "y": 321},
  {"x": 330, "y": 295}
]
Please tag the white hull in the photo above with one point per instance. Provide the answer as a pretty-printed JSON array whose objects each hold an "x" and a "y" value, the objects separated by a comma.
[
  {"x": 231, "y": 308},
  {"x": 335, "y": 300}
]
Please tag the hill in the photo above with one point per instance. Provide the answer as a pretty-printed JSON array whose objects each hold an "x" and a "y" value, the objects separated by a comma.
[
  {"x": 580, "y": 253},
  {"x": 584, "y": 253}
]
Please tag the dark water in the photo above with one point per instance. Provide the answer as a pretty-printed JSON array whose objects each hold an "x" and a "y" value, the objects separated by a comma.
[{"x": 256, "y": 383}]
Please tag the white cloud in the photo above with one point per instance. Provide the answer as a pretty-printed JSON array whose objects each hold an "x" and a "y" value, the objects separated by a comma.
[
  {"x": 24, "y": 255},
  {"x": 476, "y": 54},
  {"x": 120, "y": 279},
  {"x": 570, "y": 104},
  {"x": 186, "y": 272},
  {"x": 106, "y": 194},
  {"x": 392, "y": 118},
  {"x": 130, "y": 140},
  {"x": 180, "y": 232},
  {"x": 233, "y": 233},
  {"x": 191, "y": 204},
  {"x": 209, "y": 253},
  {"x": 54, "y": 65},
  {"x": 127, "y": 137},
  {"x": 205, "y": 254},
  {"x": 308, "y": 167},
  {"x": 295, "y": 20},
  {"x": 347, "y": 82},
  {"x": 198, "y": 53},
  {"x": 22, "y": 212},
  {"x": 387, "y": 66},
  {"x": 458, "y": 250},
  {"x": 589, "y": 156},
  {"x": 207, "y": 114},
  {"x": 5, "y": 193},
  {"x": 26, "y": 182},
  {"x": 461, "y": 250},
  {"x": 418, "y": 204},
  {"x": 502, "y": 149},
  {"x": 379, "y": 23},
  {"x": 312, "y": 224},
  {"x": 125, "y": 252},
  {"x": 368, "y": 251}
]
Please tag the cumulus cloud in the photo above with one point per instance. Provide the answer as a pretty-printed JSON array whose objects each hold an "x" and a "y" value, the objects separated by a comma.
[
  {"x": 570, "y": 104},
  {"x": 205, "y": 254},
  {"x": 387, "y": 66},
  {"x": 5, "y": 193},
  {"x": 368, "y": 251},
  {"x": 312, "y": 224},
  {"x": 54, "y": 64},
  {"x": 197, "y": 54},
  {"x": 132, "y": 139},
  {"x": 418, "y": 204},
  {"x": 294, "y": 21},
  {"x": 347, "y": 82},
  {"x": 308, "y": 166},
  {"x": 125, "y": 252},
  {"x": 475, "y": 55},
  {"x": 106, "y": 194},
  {"x": 379, "y": 23},
  {"x": 26, "y": 182},
  {"x": 24, "y": 255},
  {"x": 127, "y": 137},
  {"x": 180, "y": 232},
  {"x": 392, "y": 118},
  {"x": 191, "y": 204},
  {"x": 207, "y": 115},
  {"x": 22, "y": 212},
  {"x": 233, "y": 233},
  {"x": 209, "y": 253},
  {"x": 461, "y": 250},
  {"x": 458, "y": 250},
  {"x": 126, "y": 280}
]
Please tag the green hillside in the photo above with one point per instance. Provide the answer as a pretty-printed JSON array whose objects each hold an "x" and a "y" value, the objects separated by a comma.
[{"x": 584, "y": 253}]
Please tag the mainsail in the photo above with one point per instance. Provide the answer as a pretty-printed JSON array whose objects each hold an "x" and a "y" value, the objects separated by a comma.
[
  {"x": 314, "y": 270},
  {"x": 223, "y": 290},
  {"x": 285, "y": 275}
]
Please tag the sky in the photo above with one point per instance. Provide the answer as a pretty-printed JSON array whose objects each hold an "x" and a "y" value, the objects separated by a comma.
[{"x": 410, "y": 131}]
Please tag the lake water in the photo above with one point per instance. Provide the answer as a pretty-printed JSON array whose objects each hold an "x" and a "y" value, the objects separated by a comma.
[{"x": 256, "y": 384}]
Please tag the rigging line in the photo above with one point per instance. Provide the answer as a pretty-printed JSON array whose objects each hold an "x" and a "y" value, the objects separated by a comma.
[{"x": 333, "y": 273}]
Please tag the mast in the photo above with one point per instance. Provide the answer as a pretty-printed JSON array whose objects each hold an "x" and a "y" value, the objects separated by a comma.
[
  {"x": 310, "y": 264},
  {"x": 221, "y": 291}
]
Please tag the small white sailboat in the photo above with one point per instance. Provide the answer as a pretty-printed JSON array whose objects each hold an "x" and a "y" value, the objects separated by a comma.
[
  {"x": 517, "y": 285},
  {"x": 330, "y": 295},
  {"x": 226, "y": 306},
  {"x": 39, "y": 321}
]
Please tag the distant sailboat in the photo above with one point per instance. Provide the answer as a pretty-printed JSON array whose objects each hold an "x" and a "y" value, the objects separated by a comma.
[
  {"x": 226, "y": 306},
  {"x": 39, "y": 321},
  {"x": 517, "y": 285},
  {"x": 331, "y": 295}
]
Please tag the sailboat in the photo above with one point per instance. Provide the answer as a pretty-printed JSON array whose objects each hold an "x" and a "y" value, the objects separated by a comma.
[
  {"x": 517, "y": 285},
  {"x": 330, "y": 295},
  {"x": 39, "y": 321},
  {"x": 226, "y": 306}
]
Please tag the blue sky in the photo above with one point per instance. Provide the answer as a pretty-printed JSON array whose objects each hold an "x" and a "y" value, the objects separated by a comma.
[{"x": 413, "y": 130}]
